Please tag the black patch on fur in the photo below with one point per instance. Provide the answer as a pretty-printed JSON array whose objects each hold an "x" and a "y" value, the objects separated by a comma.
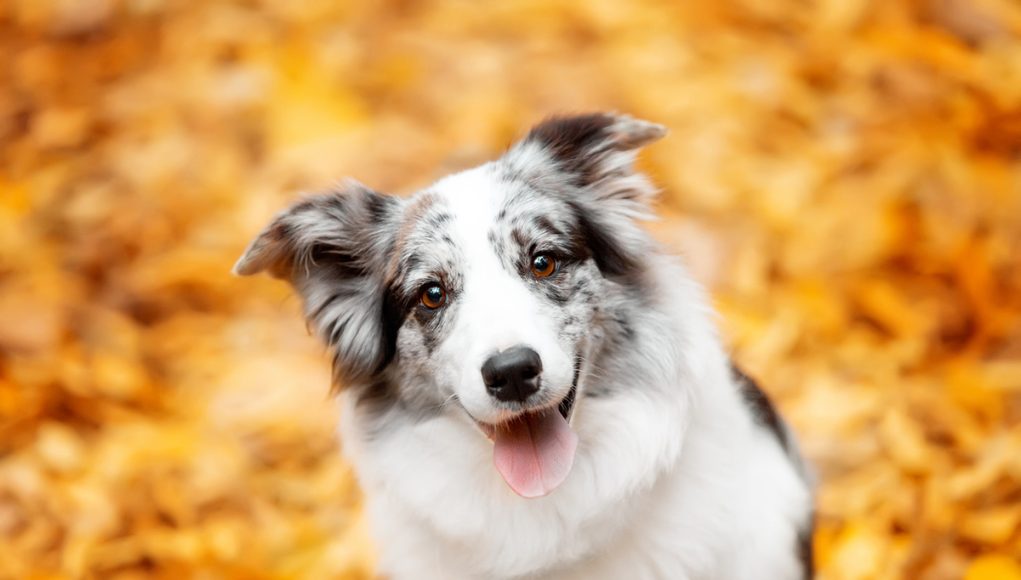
[
  {"x": 392, "y": 318},
  {"x": 761, "y": 407},
  {"x": 592, "y": 239},
  {"x": 518, "y": 237},
  {"x": 544, "y": 225},
  {"x": 342, "y": 262},
  {"x": 806, "y": 555},
  {"x": 570, "y": 140},
  {"x": 567, "y": 404},
  {"x": 380, "y": 207}
]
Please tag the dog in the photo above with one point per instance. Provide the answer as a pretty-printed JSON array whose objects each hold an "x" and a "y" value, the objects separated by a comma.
[{"x": 529, "y": 386}]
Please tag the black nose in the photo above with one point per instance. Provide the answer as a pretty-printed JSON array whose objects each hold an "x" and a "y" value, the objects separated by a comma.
[{"x": 512, "y": 375}]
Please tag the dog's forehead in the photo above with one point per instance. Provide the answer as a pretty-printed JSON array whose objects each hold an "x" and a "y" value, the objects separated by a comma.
[
  {"x": 483, "y": 217},
  {"x": 475, "y": 195},
  {"x": 464, "y": 207},
  {"x": 491, "y": 197},
  {"x": 436, "y": 216}
]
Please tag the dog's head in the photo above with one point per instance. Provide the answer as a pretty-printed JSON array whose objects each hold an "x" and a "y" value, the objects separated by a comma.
[{"x": 481, "y": 294}]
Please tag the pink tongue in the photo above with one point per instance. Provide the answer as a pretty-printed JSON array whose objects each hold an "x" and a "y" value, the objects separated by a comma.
[{"x": 534, "y": 453}]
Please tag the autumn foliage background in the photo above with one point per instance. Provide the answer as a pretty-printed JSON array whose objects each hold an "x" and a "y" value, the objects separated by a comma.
[{"x": 845, "y": 175}]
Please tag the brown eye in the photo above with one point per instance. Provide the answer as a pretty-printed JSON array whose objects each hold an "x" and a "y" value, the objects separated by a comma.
[
  {"x": 543, "y": 265},
  {"x": 433, "y": 296}
]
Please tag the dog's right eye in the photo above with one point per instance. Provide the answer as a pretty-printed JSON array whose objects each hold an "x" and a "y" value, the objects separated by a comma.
[
  {"x": 433, "y": 296},
  {"x": 543, "y": 265}
]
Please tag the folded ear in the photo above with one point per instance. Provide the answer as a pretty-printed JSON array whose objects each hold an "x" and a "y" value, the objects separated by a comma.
[
  {"x": 589, "y": 159},
  {"x": 594, "y": 151},
  {"x": 334, "y": 249}
]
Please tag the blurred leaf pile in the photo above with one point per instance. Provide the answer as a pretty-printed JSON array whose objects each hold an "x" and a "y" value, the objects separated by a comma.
[{"x": 845, "y": 175}]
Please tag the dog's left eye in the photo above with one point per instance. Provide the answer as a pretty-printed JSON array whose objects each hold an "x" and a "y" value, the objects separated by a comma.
[
  {"x": 433, "y": 296},
  {"x": 543, "y": 265}
]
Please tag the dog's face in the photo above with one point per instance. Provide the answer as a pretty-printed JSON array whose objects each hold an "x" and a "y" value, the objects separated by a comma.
[
  {"x": 497, "y": 292},
  {"x": 483, "y": 293}
]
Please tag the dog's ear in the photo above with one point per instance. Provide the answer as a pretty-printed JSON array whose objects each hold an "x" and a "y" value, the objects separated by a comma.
[
  {"x": 593, "y": 148},
  {"x": 334, "y": 248},
  {"x": 591, "y": 158}
]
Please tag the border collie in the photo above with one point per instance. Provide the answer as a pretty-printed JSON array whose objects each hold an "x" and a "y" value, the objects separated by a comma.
[{"x": 531, "y": 388}]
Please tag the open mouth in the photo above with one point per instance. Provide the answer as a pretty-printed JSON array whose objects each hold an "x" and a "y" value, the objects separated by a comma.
[{"x": 534, "y": 451}]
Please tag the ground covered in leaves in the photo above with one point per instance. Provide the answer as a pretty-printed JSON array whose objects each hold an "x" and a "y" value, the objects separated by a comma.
[{"x": 845, "y": 175}]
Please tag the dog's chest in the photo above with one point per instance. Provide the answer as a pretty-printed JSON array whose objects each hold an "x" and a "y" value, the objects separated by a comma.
[
  {"x": 484, "y": 537},
  {"x": 478, "y": 527}
]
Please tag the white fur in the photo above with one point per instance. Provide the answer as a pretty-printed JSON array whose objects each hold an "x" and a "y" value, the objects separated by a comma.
[{"x": 663, "y": 486}]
